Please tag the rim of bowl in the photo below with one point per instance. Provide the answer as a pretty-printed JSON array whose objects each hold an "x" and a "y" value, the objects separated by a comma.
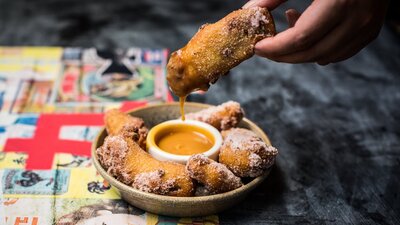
[
  {"x": 212, "y": 130},
  {"x": 119, "y": 185}
]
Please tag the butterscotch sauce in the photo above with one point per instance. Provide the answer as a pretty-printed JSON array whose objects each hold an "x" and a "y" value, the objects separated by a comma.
[
  {"x": 182, "y": 108},
  {"x": 184, "y": 142}
]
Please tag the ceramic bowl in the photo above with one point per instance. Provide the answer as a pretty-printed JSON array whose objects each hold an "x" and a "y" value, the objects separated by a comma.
[
  {"x": 157, "y": 130},
  {"x": 177, "y": 206}
]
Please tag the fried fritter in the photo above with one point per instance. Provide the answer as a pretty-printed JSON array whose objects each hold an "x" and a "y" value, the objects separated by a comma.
[
  {"x": 118, "y": 122},
  {"x": 222, "y": 117},
  {"x": 217, "y": 48},
  {"x": 125, "y": 160},
  {"x": 215, "y": 177},
  {"x": 245, "y": 154}
]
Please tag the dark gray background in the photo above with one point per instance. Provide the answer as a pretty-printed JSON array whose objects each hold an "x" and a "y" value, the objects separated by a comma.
[{"x": 337, "y": 127}]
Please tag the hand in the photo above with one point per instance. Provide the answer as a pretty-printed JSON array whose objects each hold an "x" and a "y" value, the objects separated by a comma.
[{"x": 328, "y": 31}]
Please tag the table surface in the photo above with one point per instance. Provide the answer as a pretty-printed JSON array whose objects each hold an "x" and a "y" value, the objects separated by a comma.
[{"x": 337, "y": 127}]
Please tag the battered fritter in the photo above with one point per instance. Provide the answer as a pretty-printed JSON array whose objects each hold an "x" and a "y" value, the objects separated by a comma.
[
  {"x": 222, "y": 117},
  {"x": 118, "y": 122},
  {"x": 125, "y": 160},
  {"x": 217, "y": 48},
  {"x": 215, "y": 177},
  {"x": 244, "y": 153}
]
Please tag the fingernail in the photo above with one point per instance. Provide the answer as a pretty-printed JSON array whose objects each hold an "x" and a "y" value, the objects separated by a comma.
[{"x": 250, "y": 4}]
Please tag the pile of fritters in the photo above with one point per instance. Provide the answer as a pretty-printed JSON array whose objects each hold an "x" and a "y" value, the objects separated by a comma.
[{"x": 242, "y": 154}]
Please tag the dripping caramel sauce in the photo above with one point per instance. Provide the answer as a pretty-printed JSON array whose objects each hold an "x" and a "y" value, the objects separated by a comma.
[
  {"x": 182, "y": 108},
  {"x": 186, "y": 140}
]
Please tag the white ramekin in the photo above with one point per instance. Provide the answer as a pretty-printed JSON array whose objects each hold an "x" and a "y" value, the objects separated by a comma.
[{"x": 159, "y": 154}]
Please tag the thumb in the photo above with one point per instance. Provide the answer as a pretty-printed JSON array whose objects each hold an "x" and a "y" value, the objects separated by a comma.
[{"x": 270, "y": 4}]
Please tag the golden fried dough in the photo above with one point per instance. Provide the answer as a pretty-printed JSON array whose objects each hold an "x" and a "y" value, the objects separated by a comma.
[
  {"x": 222, "y": 117},
  {"x": 217, "y": 48},
  {"x": 125, "y": 160},
  {"x": 215, "y": 177},
  {"x": 244, "y": 153},
  {"x": 118, "y": 122}
]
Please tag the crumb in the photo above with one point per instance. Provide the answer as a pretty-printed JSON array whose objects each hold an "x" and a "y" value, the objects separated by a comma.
[{"x": 227, "y": 52}]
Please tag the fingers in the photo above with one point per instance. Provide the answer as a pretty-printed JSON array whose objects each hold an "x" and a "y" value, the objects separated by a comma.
[
  {"x": 292, "y": 16},
  {"x": 367, "y": 31},
  {"x": 270, "y": 4},
  {"x": 350, "y": 49},
  {"x": 318, "y": 19},
  {"x": 343, "y": 41},
  {"x": 336, "y": 40},
  {"x": 327, "y": 31}
]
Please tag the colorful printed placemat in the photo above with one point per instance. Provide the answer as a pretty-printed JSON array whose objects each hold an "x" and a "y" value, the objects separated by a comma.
[
  {"x": 51, "y": 105},
  {"x": 76, "y": 80}
]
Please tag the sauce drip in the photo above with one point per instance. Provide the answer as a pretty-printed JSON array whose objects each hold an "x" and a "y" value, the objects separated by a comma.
[
  {"x": 182, "y": 104},
  {"x": 184, "y": 142}
]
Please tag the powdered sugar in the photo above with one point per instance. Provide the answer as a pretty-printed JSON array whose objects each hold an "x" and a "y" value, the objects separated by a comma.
[
  {"x": 119, "y": 123},
  {"x": 152, "y": 182},
  {"x": 215, "y": 177},
  {"x": 255, "y": 155},
  {"x": 226, "y": 175},
  {"x": 257, "y": 18},
  {"x": 107, "y": 151},
  {"x": 222, "y": 117},
  {"x": 200, "y": 159},
  {"x": 242, "y": 139},
  {"x": 112, "y": 157},
  {"x": 227, "y": 52},
  {"x": 255, "y": 165}
]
